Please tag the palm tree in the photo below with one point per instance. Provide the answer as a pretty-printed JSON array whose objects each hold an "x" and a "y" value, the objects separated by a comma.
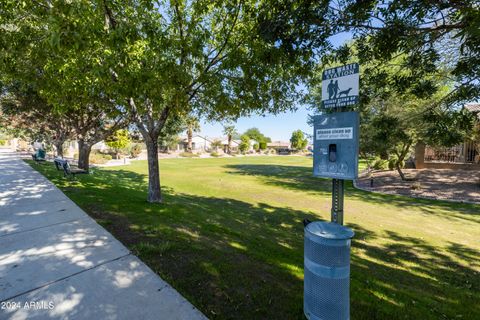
[
  {"x": 193, "y": 125},
  {"x": 229, "y": 131},
  {"x": 216, "y": 144}
]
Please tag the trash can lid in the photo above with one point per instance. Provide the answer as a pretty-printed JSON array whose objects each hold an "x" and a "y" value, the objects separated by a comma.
[{"x": 329, "y": 230}]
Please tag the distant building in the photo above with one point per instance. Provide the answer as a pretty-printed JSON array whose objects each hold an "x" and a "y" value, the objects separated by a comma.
[
  {"x": 236, "y": 143},
  {"x": 465, "y": 153},
  {"x": 233, "y": 145},
  {"x": 280, "y": 146},
  {"x": 199, "y": 143}
]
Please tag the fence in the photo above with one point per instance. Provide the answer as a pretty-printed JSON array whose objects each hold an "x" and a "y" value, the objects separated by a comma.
[{"x": 463, "y": 153}]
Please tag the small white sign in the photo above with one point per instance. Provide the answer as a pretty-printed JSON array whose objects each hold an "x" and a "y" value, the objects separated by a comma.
[
  {"x": 340, "y": 86},
  {"x": 334, "y": 133}
]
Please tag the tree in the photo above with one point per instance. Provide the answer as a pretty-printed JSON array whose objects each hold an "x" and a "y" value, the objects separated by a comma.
[
  {"x": 169, "y": 137},
  {"x": 298, "y": 140},
  {"x": 255, "y": 134},
  {"x": 244, "y": 145},
  {"x": 155, "y": 60},
  {"x": 193, "y": 125},
  {"x": 428, "y": 33},
  {"x": 28, "y": 115},
  {"x": 392, "y": 121},
  {"x": 229, "y": 131},
  {"x": 93, "y": 123},
  {"x": 220, "y": 67},
  {"x": 119, "y": 140},
  {"x": 390, "y": 126},
  {"x": 66, "y": 79},
  {"x": 216, "y": 144}
]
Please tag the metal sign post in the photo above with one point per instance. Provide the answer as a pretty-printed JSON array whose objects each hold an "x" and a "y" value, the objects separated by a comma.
[
  {"x": 336, "y": 134},
  {"x": 335, "y": 156},
  {"x": 338, "y": 191}
]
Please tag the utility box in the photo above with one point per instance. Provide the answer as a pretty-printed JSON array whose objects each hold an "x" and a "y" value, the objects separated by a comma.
[
  {"x": 327, "y": 271},
  {"x": 335, "y": 146}
]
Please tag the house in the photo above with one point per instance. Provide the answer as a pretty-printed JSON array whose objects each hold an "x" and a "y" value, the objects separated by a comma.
[
  {"x": 465, "y": 155},
  {"x": 233, "y": 145},
  {"x": 280, "y": 146},
  {"x": 199, "y": 143}
]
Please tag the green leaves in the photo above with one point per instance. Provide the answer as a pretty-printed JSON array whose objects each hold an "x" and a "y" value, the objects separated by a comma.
[{"x": 298, "y": 140}]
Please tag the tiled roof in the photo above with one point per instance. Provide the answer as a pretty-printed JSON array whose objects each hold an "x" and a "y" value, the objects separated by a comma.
[
  {"x": 279, "y": 144},
  {"x": 473, "y": 107}
]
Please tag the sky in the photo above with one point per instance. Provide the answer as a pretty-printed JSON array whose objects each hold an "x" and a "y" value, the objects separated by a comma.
[{"x": 277, "y": 127}]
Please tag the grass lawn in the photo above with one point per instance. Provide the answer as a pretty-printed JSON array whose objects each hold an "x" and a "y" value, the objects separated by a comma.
[{"x": 229, "y": 237}]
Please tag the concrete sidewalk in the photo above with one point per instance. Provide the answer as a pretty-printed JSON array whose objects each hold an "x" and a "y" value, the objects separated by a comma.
[{"x": 58, "y": 263}]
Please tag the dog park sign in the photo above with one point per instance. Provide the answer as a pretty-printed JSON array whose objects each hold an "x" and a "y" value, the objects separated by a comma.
[
  {"x": 340, "y": 86},
  {"x": 336, "y": 134}
]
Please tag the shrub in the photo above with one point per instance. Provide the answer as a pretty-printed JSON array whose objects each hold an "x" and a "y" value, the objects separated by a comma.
[
  {"x": 216, "y": 144},
  {"x": 262, "y": 145},
  {"x": 188, "y": 155},
  {"x": 416, "y": 186},
  {"x": 244, "y": 144},
  {"x": 135, "y": 150},
  {"x": 3, "y": 142},
  {"x": 118, "y": 141},
  {"x": 380, "y": 164},
  {"x": 392, "y": 162},
  {"x": 215, "y": 154},
  {"x": 99, "y": 158}
]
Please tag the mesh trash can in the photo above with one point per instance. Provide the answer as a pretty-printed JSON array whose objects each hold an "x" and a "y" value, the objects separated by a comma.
[{"x": 327, "y": 271}]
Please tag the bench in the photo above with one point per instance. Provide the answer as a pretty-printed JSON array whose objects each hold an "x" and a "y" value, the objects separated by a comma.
[
  {"x": 39, "y": 156},
  {"x": 67, "y": 170},
  {"x": 59, "y": 163}
]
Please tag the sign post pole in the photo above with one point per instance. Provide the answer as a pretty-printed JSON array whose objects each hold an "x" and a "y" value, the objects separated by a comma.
[
  {"x": 338, "y": 191},
  {"x": 336, "y": 134},
  {"x": 335, "y": 156}
]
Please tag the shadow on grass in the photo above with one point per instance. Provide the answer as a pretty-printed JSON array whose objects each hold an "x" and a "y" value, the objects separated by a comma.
[
  {"x": 235, "y": 260},
  {"x": 301, "y": 179}
]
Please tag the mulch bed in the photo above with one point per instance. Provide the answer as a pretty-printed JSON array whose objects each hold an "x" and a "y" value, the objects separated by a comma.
[{"x": 440, "y": 184}]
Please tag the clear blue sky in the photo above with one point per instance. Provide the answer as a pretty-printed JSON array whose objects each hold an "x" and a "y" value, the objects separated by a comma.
[{"x": 277, "y": 127}]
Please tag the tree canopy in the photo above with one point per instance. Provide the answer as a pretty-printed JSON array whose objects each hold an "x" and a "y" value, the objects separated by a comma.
[
  {"x": 255, "y": 134},
  {"x": 151, "y": 60},
  {"x": 298, "y": 140},
  {"x": 120, "y": 139},
  {"x": 430, "y": 34}
]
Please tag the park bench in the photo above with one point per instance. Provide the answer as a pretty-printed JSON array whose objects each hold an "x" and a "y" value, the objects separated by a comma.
[
  {"x": 59, "y": 163},
  {"x": 39, "y": 156},
  {"x": 67, "y": 170}
]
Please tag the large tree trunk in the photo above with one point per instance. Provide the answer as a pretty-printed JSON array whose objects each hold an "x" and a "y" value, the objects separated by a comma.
[
  {"x": 59, "y": 146},
  {"x": 229, "y": 144},
  {"x": 84, "y": 150},
  {"x": 154, "y": 192}
]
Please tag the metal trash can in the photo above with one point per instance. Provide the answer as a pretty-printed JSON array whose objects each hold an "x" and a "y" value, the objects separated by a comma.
[{"x": 327, "y": 271}]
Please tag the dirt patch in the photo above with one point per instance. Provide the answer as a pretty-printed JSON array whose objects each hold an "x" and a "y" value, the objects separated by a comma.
[{"x": 441, "y": 184}]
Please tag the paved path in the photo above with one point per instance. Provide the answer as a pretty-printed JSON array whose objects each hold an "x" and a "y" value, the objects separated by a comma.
[{"x": 58, "y": 263}]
